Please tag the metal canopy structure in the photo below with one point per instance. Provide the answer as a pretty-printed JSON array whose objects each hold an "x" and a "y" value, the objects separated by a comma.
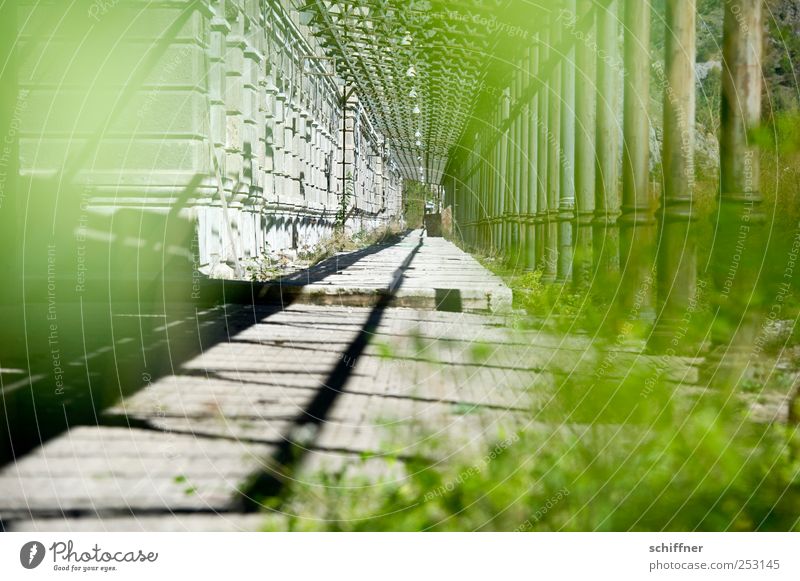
[{"x": 419, "y": 66}]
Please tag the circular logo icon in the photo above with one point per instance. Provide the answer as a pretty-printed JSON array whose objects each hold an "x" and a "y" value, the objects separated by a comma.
[{"x": 31, "y": 554}]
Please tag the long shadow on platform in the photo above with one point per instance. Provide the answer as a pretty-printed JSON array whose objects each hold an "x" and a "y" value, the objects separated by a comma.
[
  {"x": 103, "y": 351},
  {"x": 307, "y": 425},
  {"x": 200, "y": 330}
]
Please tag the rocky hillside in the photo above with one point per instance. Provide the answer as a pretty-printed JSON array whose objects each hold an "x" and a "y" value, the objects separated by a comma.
[{"x": 781, "y": 70}]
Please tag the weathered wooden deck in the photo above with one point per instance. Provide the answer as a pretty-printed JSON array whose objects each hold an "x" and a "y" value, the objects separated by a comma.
[{"x": 293, "y": 393}]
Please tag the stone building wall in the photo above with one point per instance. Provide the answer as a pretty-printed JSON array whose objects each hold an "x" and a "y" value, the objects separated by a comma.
[{"x": 215, "y": 113}]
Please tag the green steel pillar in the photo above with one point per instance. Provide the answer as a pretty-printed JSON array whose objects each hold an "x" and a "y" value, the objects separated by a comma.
[
  {"x": 677, "y": 255},
  {"x": 531, "y": 161},
  {"x": 499, "y": 188},
  {"x": 485, "y": 196},
  {"x": 505, "y": 172},
  {"x": 553, "y": 155},
  {"x": 566, "y": 202},
  {"x": 584, "y": 146},
  {"x": 515, "y": 171},
  {"x": 542, "y": 153},
  {"x": 524, "y": 168},
  {"x": 605, "y": 235},
  {"x": 739, "y": 245},
  {"x": 637, "y": 222}
]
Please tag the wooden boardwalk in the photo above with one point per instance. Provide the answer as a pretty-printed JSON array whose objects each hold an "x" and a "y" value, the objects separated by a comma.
[
  {"x": 291, "y": 394},
  {"x": 434, "y": 275}
]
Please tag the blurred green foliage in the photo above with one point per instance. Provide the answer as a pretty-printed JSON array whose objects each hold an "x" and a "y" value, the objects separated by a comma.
[{"x": 630, "y": 450}]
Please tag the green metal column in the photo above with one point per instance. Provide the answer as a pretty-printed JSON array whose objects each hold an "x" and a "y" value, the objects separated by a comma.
[
  {"x": 515, "y": 162},
  {"x": 677, "y": 256},
  {"x": 460, "y": 190},
  {"x": 739, "y": 247},
  {"x": 505, "y": 175},
  {"x": 541, "y": 159},
  {"x": 496, "y": 189},
  {"x": 605, "y": 239},
  {"x": 566, "y": 202},
  {"x": 553, "y": 154},
  {"x": 499, "y": 184},
  {"x": 485, "y": 197},
  {"x": 531, "y": 161},
  {"x": 508, "y": 169},
  {"x": 478, "y": 198},
  {"x": 637, "y": 223},
  {"x": 584, "y": 146},
  {"x": 522, "y": 158}
]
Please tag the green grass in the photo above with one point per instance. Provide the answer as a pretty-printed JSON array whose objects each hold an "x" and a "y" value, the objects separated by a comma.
[
  {"x": 605, "y": 454},
  {"x": 614, "y": 443},
  {"x": 625, "y": 448}
]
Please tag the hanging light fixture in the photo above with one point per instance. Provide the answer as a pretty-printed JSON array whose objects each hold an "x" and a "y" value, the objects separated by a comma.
[
  {"x": 416, "y": 110},
  {"x": 413, "y": 94},
  {"x": 411, "y": 72}
]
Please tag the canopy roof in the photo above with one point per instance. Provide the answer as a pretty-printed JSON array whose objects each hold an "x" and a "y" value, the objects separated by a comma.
[{"x": 420, "y": 66}]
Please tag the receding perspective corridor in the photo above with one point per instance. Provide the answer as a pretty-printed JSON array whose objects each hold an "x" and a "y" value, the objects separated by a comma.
[{"x": 399, "y": 265}]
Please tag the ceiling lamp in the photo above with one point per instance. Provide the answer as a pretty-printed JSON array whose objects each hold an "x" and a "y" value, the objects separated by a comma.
[
  {"x": 411, "y": 72},
  {"x": 416, "y": 110},
  {"x": 413, "y": 94}
]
